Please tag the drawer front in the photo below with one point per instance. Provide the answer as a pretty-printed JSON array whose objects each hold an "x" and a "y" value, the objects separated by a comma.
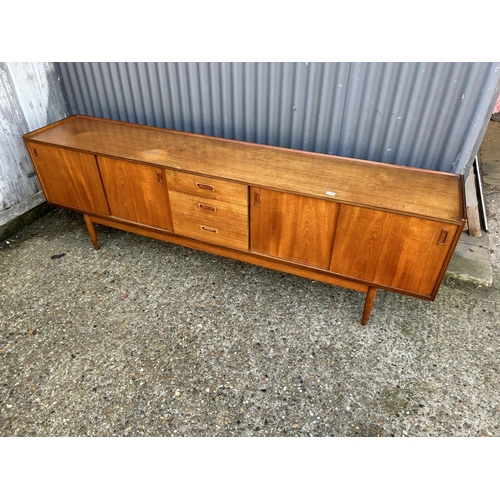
[
  {"x": 206, "y": 187},
  {"x": 210, "y": 210},
  {"x": 216, "y": 232}
]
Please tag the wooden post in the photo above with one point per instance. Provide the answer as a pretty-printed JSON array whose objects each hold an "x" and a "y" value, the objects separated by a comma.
[{"x": 473, "y": 221}]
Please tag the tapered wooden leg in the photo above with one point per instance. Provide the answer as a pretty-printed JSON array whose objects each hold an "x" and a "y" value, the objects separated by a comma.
[
  {"x": 370, "y": 299},
  {"x": 91, "y": 230}
]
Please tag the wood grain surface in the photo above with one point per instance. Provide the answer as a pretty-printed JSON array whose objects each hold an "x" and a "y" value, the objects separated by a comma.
[
  {"x": 69, "y": 178},
  {"x": 392, "y": 250},
  {"x": 292, "y": 227},
  {"x": 397, "y": 188},
  {"x": 136, "y": 192}
]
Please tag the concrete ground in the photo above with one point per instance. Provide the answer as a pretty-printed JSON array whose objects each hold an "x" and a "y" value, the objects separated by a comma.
[{"x": 144, "y": 338}]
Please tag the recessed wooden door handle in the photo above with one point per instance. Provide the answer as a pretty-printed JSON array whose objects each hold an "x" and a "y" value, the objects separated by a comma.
[
  {"x": 207, "y": 207},
  {"x": 443, "y": 235},
  {"x": 256, "y": 199},
  {"x": 209, "y": 229},
  {"x": 208, "y": 187},
  {"x": 160, "y": 180},
  {"x": 36, "y": 154}
]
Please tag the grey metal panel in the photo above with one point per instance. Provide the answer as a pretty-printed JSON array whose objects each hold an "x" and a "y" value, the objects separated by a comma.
[
  {"x": 416, "y": 114},
  {"x": 286, "y": 104},
  {"x": 30, "y": 97},
  {"x": 426, "y": 115}
]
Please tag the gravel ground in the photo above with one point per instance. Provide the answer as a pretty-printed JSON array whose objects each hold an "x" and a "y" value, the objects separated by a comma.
[{"x": 144, "y": 338}]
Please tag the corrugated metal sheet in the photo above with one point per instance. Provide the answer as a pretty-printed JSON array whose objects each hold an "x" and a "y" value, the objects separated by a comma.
[
  {"x": 426, "y": 115},
  {"x": 30, "y": 97}
]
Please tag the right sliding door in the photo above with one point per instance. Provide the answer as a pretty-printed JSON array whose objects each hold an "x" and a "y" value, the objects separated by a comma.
[{"x": 399, "y": 251}]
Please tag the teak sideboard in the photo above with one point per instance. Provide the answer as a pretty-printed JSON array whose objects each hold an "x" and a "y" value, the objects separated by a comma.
[{"x": 358, "y": 224}]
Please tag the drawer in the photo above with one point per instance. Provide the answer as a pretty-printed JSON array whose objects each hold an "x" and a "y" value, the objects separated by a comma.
[
  {"x": 209, "y": 210},
  {"x": 206, "y": 187},
  {"x": 216, "y": 232}
]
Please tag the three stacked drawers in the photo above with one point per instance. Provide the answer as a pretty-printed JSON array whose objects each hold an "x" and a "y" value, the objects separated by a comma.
[{"x": 208, "y": 209}]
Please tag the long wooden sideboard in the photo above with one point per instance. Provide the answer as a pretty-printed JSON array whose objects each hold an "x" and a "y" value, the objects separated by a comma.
[{"x": 358, "y": 224}]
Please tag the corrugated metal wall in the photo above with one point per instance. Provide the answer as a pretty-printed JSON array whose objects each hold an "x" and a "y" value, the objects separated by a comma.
[
  {"x": 426, "y": 115},
  {"x": 30, "y": 97}
]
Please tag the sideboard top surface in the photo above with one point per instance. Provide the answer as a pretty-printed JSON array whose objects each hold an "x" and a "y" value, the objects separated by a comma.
[{"x": 390, "y": 187}]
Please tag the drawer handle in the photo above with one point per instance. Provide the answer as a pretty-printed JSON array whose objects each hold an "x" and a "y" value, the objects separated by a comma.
[
  {"x": 443, "y": 236},
  {"x": 207, "y": 187},
  {"x": 207, "y": 207},
  {"x": 209, "y": 229}
]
